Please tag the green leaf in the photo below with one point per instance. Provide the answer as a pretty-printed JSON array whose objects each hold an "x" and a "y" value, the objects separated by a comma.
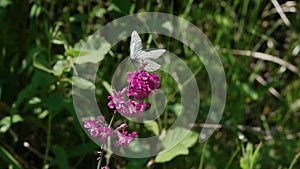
[
  {"x": 249, "y": 159},
  {"x": 246, "y": 88},
  {"x": 99, "y": 12},
  {"x": 177, "y": 107},
  {"x": 40, "y": 79},
  {"x": 168, "y": 25},
  {"x": 82, "y": 83},
  {"x": 34, "y": 100},
  {"x": 6, "y": 122},
  {"x": 43, "y": 114},
  {"x": 72, "y": 52},
  {"x": 41, "y": 66},
  {"x": 295, "y": 105},
  {"x": 93, "y": 57},
  {"x": 168, "y": 155},
  {"x": 107, "y": 87},
  {"x": 137, "y": 163},
  {"x": 152, "y": 126},
  {"x": 250, "y": 92},
  {"x": 5, "y": 155},
  {"x": 91, "y": 50},
  {"x": 55, "y": 101},
  {"x": 61, "y": 158},
  {"x": 59, "y": 67},
  {"x": 175, "y": 144},
  {"x": 57, "y": 70},
  {"x": 121, "y": 6},
  {"x": 5, "y": 3},
  {"x": 58, "y": 41},
  {"x": 78, "y": 18},
  {"x": 81, "y": 149}
]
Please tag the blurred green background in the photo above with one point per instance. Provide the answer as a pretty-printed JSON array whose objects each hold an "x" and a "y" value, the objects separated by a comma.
[{"x": 258, "y": 47}]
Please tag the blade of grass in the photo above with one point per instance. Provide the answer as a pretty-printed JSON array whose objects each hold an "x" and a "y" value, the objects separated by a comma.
[
  {"x": 281, "y": 13},
  {"x": 267, "y": 34},
  {"x": 255, "y": 154},
  {"x": 187, "y": 9},
  {"x": 264, "y": 56},
  {"x": 234, "y": 154},
  {"x": 294, "y": 160},
  {"x": 5, "y": 155}
]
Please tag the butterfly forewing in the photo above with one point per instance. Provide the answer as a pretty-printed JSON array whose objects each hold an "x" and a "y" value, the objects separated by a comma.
[
  {"x": 152, "y": 54},
  {"x": 135, "y": 45}
]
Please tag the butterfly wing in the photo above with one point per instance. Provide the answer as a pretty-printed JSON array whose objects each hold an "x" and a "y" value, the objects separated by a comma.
[
  {"x": 152, "y": 54},
  {"x": 149, "y": 65},
  {"x": 135, "y": 45}
]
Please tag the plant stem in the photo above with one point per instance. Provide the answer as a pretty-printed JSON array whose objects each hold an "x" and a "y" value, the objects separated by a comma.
[
  {"x": 102, "y": 150},
  {"x": 100, "y": 160},
  {"x": 48, "y": 139},
  {"x": 111, "y": 120},
  {"x": 202, "y": 157}
]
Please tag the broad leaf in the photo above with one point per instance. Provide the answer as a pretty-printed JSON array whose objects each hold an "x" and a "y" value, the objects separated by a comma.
[
  {"x": 82, "y": 83},
  {"x": 93, "y": 57},
  {"x": 176, "y": 142},
  {"x": 60, "y": 157}
]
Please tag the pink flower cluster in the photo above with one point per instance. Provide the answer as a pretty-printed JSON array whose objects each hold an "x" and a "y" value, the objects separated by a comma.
[
  {"x": 98, "y": 129},
  {"x": 141, "y": 84},
  {"x": 126, "y": 107},
  {"x": 124, "y": 137}
]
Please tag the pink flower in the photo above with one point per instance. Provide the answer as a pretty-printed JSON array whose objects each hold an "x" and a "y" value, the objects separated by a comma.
[
  {"x": 133, "y": 108},
  {"x": 127, "y": 108},
  {"x": 92, "y": 126},
  {"x": 98, "y": 128},
  {"x": 104, "y": 132},
  {"x": 141, "y": 84},
  {"x": 124, "y": 138},
  {"x": 117, "y": 100},
  {"x": 122, "y": 127},
  {"x": 105, "y": 167}
]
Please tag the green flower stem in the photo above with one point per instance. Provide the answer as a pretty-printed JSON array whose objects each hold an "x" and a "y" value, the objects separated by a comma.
[
  {"x": 102, "y": 150},
  {"x": 202, "y": 156},
  {"x": 48, "y": 139}
]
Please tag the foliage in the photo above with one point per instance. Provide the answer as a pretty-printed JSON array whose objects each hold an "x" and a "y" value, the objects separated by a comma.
[
  {"x": 249, "y": 158},
  {"x": 40, "y": 41}
]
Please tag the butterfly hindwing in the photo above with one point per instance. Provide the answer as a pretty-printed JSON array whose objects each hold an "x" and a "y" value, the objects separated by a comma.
[{"x": 149, "y": 65}]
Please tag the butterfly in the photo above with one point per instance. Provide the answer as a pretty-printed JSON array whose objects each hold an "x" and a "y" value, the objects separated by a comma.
[{"x": 141, "y": 58}]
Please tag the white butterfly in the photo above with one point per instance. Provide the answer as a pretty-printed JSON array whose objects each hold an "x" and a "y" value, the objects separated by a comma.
[{"x": 142, "y": 58}]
